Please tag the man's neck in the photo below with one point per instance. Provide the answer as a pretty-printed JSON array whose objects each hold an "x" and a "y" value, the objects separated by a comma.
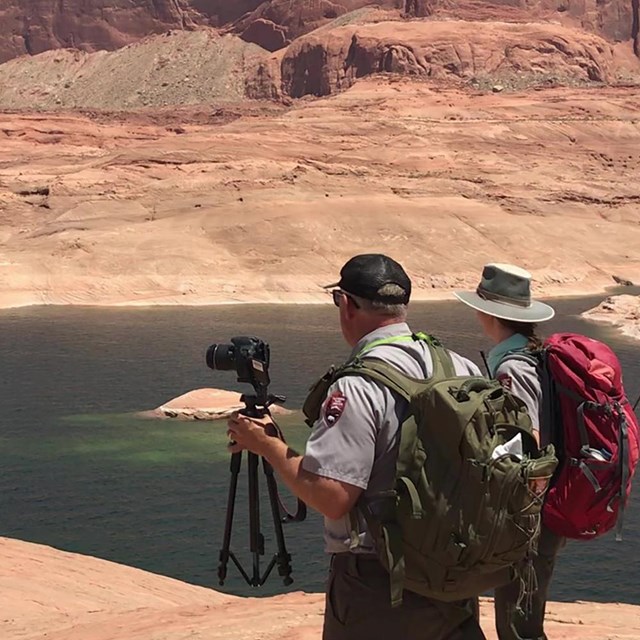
[{"x": 370, "y": 327}]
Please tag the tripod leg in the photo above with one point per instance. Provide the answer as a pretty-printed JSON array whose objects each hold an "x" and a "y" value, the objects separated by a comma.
[
  {"x": 282, "y": 558},
  {"x": 236, "y": 460},
  {"x": 256, "y": 539}
]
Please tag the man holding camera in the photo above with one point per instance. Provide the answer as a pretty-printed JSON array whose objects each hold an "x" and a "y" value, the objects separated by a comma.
[{"x": 351, "y": 454}]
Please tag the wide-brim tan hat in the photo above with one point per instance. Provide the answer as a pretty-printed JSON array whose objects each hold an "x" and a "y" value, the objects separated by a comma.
[{"x": 505, "y": 292}]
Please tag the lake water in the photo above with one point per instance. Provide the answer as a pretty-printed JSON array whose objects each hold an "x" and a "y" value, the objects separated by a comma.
[{"x": 80, "y": 473}]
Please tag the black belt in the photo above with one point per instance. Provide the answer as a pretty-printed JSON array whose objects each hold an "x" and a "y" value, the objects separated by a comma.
[{"x": 355, "y": 563}]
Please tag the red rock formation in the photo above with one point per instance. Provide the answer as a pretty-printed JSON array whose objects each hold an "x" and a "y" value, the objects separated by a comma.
[
  {"x": 623, "y": 311},
  {"x": 321, "y": 64},
  {"x": 635, "y": 26},
  {"x": 294, "y": 19},
  {"x": 224, "y": 12},
  {"x": 267, "y": 34},
  {"x": 33, "y": 26},
  {"x": 616, "y": 20},
  {"x": 205, "y": 404}
]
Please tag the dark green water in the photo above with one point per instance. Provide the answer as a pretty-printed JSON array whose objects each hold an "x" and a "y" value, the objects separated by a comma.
[{"x": 78, "y": 472}]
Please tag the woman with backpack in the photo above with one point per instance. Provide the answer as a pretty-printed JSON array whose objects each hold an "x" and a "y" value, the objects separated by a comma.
[{"x": 509, "y": 317}]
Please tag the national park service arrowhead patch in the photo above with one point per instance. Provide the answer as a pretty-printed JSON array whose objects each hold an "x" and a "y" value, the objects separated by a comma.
[{"x": 334, "y": 407}]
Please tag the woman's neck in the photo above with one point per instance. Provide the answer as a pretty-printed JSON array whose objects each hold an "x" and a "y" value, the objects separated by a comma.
[{"x": 501, "y": 332}]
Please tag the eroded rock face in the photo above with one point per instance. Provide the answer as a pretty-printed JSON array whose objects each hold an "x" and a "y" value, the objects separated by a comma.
[
  {"x": 34, "y": 26},
  {"x": 325, "y": 63},
  {"x": 615, "y": 20},
  {"x": 294, "y": 19}
]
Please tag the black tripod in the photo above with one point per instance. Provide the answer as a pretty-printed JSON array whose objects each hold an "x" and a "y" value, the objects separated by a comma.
[{"x": 257, "y": 408}]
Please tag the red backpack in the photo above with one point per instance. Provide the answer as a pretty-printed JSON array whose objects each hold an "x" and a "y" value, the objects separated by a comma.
[{"x": 595, "y": 432}]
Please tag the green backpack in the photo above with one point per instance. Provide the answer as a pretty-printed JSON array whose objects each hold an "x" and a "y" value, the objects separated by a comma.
[{"x": 463, "y": 516}]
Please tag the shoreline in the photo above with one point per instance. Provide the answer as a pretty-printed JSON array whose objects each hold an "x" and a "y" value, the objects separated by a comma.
[
  {"x": 546, "y": 292},
  {"x": 265, "y": 209}
]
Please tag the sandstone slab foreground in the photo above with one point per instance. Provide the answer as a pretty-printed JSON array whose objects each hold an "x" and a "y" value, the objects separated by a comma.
[{"x": 53, "y": 595}]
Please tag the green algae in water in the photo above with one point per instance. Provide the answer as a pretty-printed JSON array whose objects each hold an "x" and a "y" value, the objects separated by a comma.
[{"x": 139, "y": 441}]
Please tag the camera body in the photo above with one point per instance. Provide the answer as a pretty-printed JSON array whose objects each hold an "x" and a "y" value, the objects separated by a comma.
[{"x": 248, "y": 356}]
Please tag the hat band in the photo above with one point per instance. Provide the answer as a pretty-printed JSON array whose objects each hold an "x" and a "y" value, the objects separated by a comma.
[{"x": 490, "y": 296}]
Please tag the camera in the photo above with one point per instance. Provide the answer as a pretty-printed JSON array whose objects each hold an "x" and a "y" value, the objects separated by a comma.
[{"x": 248, "y": 355}]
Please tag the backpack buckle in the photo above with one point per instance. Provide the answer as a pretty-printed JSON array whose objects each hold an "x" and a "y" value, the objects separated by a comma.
[{"x": 461, "y": 395}]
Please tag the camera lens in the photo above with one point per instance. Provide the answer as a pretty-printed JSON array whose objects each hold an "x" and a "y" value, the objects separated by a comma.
[{"x": 221, "y": 357}]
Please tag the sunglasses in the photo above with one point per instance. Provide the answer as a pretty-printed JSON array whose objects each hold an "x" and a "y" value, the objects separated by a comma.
[{"x": 337, "y": 294}]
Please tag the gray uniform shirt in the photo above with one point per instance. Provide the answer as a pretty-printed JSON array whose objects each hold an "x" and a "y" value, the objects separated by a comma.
[
  {"x": 521, "y": 378},
  {"x": 355, "y": 439}
]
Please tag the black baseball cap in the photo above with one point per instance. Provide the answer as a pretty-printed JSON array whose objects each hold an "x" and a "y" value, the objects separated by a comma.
[{"x": 366, "y": 274}]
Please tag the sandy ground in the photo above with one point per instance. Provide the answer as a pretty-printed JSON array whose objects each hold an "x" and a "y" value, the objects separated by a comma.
[
  {"x": 264, "y": 203},
  {"x": 53, "y": 595}
]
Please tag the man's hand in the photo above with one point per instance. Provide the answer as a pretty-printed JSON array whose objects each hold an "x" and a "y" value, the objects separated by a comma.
[
  {"x": 332, "y": 498},
  {"x": 247, "y": 433}
]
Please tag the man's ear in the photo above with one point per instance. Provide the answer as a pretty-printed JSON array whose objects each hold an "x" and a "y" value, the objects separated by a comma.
[{"x": 350, "y": 307}]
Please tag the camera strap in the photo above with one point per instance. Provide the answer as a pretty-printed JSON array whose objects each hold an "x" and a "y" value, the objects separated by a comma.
[{"x": 301, "y": 509}]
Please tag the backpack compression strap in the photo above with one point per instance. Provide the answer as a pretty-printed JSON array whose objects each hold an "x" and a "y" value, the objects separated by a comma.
[{"x": 623, "y": 454}]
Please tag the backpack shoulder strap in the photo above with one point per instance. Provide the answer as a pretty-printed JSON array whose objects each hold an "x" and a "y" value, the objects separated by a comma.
[
  {"x": 551, "y": 426},
  {"x": 382, "y": 372},
  {"x": 393, "y": 378},
  {"x": 443, "y": 366}
]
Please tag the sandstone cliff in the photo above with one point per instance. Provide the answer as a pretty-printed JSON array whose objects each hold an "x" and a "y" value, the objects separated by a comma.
[
  {"x": 230, "y": 205},
  {"x": 204, "y": 67},
  {"x": 472, "y": 134},
  {"x": 33, "y": 27},
  {"x": 52, "y": 595},
  {"x": 30, "y": 27},
  {"x": 522, "y": 53}
]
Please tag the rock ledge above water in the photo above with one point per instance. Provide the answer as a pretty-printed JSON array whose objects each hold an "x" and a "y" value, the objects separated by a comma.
[
  {"x": 622, "y": 311},
  {"x": 204, "y": 404}
]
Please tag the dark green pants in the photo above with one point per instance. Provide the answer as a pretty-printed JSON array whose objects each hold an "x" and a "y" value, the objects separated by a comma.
[
  {"x": 512, "y": 625},
  {"x": 358, "y": 607}
]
